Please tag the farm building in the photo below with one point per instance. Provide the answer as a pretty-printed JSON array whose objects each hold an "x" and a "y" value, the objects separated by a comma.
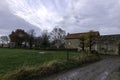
[
  {"x": 104, "y": 44},
  {"x": 109, "y": 44},
  {"x": 73, "y": 40}
]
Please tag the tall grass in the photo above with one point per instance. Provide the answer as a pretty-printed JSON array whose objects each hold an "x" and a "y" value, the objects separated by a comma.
[{"x": 17, "y": 64}]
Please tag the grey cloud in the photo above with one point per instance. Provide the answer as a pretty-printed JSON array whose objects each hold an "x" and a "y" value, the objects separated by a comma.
[
  {"x": 10, "y": 22},
  {"x": 100, "y": 15},
  {"x": 78, "y": 16},
  {"x": 2, "y": 5}
]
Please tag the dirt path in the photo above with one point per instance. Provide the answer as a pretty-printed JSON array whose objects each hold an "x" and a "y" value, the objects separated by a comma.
[{"x": 97, "y": 71}]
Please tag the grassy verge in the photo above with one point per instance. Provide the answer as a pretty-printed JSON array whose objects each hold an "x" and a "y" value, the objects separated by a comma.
[
  {"x": 51, "y": 67},
  {"x": 14, "y": 59}
]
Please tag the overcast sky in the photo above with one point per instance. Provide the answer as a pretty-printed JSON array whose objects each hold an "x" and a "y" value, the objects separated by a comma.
[{"x": 71, "y": 15}]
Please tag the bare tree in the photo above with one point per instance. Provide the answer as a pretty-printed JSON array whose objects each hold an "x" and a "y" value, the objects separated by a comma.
[
  {"x": 45, "y": 39},
  {"x": 31, "y": 37},
  {"x": 57, "y": 36},
  {"x": 38, "y": 42},
  {"x": 4, "y": 40}
]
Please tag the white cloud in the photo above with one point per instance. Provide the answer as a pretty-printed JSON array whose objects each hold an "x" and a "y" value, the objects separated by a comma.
[{"x": 40, "y": 16}]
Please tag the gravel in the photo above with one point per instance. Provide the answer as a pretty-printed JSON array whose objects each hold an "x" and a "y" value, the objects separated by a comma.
[{"x": 106, "y": 69}]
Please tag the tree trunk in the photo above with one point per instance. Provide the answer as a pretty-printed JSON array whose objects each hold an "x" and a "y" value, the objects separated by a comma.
[
  {"x": 83, "y": 46},
  {"x": 90, "y": 46}
]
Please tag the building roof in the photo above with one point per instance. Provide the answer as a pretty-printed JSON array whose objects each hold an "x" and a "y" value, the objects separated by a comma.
[
  {"x": 110, "y": 38},
  {"x": 77, "y": 35}
]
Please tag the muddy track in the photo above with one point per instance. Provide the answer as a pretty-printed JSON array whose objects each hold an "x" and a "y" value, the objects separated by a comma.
[{"x": 101, "y": 70}]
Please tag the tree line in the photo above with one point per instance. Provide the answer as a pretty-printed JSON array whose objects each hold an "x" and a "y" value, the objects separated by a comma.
[
  {"x": 22, "y": 39},
  {"x": 47, "y": 40}
]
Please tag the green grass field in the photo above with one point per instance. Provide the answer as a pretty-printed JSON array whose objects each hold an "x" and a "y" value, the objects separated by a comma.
[
  {"x": 13, "y": 59},
  {"x": 21, "y": 64}
]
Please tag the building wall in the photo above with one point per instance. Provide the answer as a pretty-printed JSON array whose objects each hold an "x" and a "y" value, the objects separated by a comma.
[
  {"x": 75, "y": 44},
  {"x": 72, "y": 43},
  {"x": 106, "y": 44},
  {"x": 110, "y": 48},
  {"x": 95, "y": 47},
  {"x": 101, "y": 47}
]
